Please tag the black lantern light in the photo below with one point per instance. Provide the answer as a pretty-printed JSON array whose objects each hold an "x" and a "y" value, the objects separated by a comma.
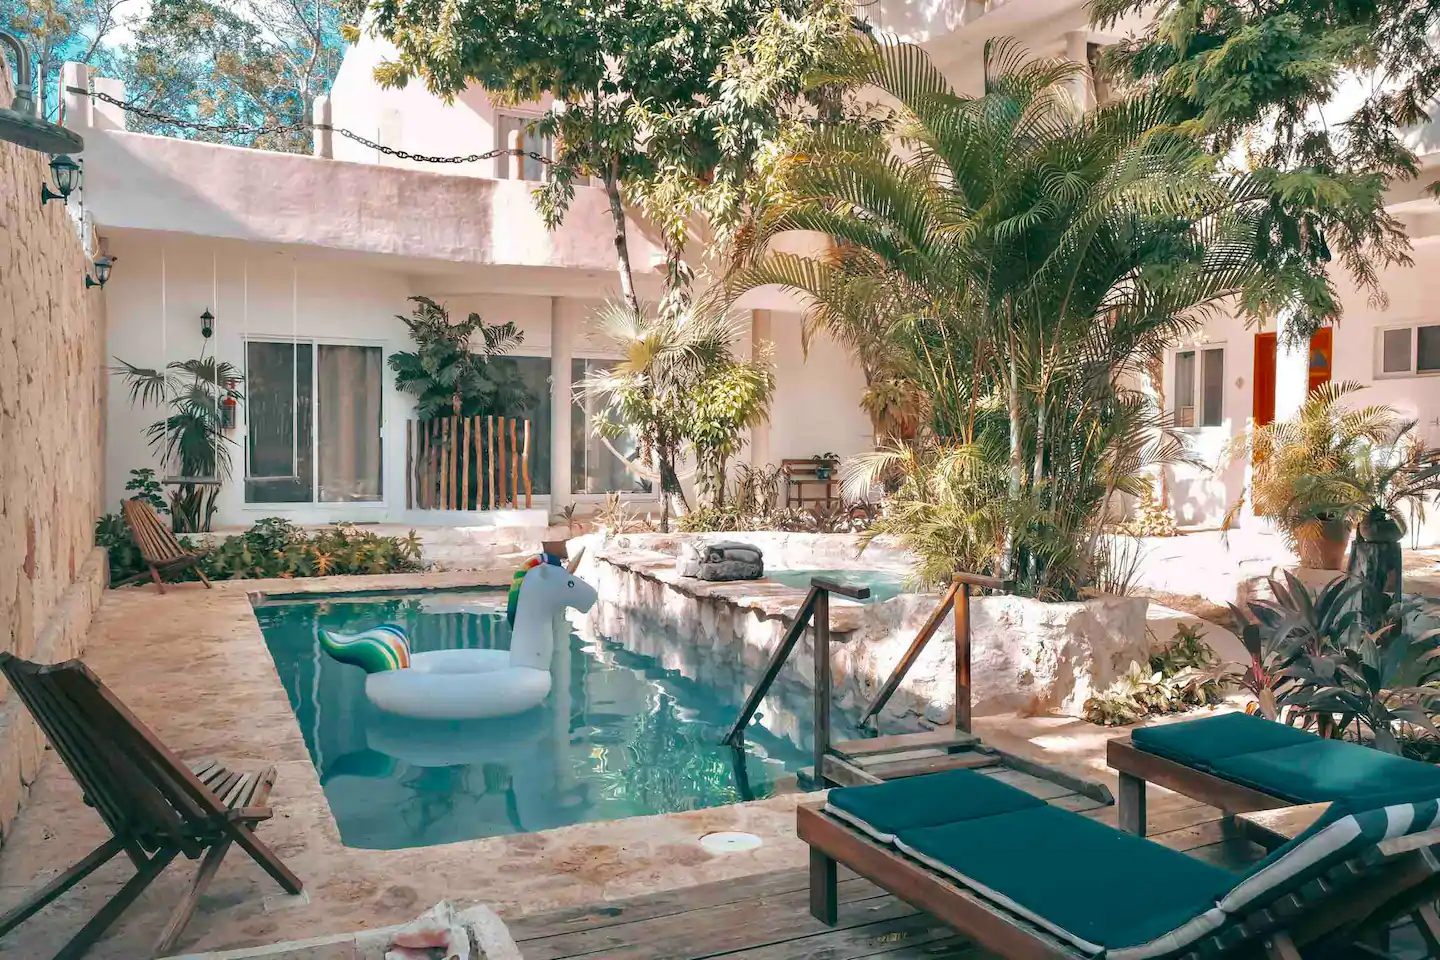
[
  {"x": 67, "y": 178},
  {"x": 207, "y": 324},
  {"x": 102, "y": 273}
]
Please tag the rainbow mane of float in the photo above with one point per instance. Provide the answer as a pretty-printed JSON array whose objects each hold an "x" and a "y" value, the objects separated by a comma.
[
  {"x": 374, "y": 651},
  {"x": 513, "y": 600}
]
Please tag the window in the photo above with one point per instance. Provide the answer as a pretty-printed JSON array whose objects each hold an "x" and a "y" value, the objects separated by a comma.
[
  {"x": 535, "y": 375},
  {"x": 1199, "y": 387},
  {"x": 593, "y": 467},
  {"x": 530, "y": 168},
  {"x": 312, "y": 414},
  {"x": 1410, "y": 350}
]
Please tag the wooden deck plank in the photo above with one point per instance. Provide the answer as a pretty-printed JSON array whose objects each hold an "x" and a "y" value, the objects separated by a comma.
[
  {"x": 914, "y": 936},
  {"x": 968, "y": 760},
  {"x": 1044, "y": 789},
  {"x": 942, "y": 738},
  {"x": 716, "y": 930}
]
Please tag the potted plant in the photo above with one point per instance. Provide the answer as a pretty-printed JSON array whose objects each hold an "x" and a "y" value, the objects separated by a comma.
[
  {"x": 824, "y": 465},
  {"x": 1380, "y": 484},
  {"x": 1291, "y": 457}
]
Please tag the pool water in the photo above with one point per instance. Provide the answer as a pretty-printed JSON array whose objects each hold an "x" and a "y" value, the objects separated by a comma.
[
  {"x": 617, "y": 737},
  {"x": 883, "y": 584}
]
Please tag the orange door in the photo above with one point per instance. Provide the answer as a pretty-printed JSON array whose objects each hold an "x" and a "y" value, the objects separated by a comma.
[
  {"x": 1320, "y": 358},
  {"x": 1263, "y": 383}
]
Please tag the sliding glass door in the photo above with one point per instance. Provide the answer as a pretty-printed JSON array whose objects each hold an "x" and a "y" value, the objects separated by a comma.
[{"x": 313, "y": 418}]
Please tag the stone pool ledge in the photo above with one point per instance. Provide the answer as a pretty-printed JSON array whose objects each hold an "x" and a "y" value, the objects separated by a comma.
[{"x": 194, "y": 666}]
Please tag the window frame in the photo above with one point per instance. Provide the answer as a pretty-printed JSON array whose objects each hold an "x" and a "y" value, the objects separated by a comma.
[
  {"x": 314, "y": 503},
  {"x": 525, "y": 117},
  {"x": 1199, "y": 350},
  {"x": 1413, "y": 326}
]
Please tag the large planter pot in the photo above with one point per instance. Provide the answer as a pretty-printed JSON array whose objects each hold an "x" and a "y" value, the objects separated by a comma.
[
  {"x": 1377, "y": 562},
  {"x": 1326, "y": 552}
]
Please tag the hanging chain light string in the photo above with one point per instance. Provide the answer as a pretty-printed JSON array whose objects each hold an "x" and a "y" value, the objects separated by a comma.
[{"x": 129, "y": 106}]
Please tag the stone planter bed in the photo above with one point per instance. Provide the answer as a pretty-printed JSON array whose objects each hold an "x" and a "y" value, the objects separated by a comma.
[{"x": 1028, "y": 657}]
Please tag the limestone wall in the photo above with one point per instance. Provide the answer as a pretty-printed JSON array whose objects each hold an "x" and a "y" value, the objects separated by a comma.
[{"x": 52, "y": 402}]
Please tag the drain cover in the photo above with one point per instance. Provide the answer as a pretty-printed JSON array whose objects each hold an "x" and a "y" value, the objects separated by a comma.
[{"x": 728, "y": 842}]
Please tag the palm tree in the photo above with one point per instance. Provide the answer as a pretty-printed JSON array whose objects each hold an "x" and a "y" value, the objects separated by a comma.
[
  {"x": 1029, "y": 258},
  {"x": 191, "y": 435}
]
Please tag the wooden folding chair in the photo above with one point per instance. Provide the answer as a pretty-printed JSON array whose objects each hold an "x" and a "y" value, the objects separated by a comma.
[
  {"x": 155, "y": 806},
  {"x": 158, "y": 545}
]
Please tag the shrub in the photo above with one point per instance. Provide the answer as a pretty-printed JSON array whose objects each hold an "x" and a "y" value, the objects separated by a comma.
[
  {"x": 1149, "y": 519},
  {"x": 1184, "y": 675}
]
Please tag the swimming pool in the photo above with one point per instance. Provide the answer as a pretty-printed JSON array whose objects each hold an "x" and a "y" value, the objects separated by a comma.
[
  {"x": 883, "y": 584},
  {"x": 617, "y": 737}
]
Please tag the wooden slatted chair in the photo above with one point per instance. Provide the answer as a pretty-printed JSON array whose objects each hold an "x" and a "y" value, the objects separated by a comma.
[
  {"x": 155, "y": 806},
  {"x": 159, "y": 547}
]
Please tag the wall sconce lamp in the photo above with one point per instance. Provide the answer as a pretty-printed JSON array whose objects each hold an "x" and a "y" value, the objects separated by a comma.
[
  {"x": 102, "y": 273},
  {"x": 67, "y": 178},
  {"x": 207, "y": 324}
]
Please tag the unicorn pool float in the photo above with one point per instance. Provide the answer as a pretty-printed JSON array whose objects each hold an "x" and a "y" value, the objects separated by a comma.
[{"x": 472, "y": 684}]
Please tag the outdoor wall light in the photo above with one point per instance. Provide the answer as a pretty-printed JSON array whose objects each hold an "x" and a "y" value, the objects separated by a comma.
[
  {"x": 102, "y": 273},
  {"x": 67, "y": 178},
  {"x": 207, "y": 324}
]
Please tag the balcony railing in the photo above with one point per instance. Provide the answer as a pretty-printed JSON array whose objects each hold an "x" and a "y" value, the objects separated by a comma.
[{"x": 467, "y": 463}]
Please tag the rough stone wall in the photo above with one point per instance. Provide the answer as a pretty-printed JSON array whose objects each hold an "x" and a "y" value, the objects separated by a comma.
[{"x": 52, "y": 403}]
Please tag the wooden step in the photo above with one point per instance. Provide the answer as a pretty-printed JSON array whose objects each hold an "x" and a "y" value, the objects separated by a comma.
[
  {"x": 969, "y": 760},
  {"x": 943, "y": 739}
]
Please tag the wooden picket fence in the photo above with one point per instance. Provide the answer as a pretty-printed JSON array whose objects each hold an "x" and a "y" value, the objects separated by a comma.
[{"x": 467, "y": 463}]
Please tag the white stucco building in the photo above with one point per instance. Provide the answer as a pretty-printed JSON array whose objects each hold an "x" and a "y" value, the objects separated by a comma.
[{"x": 305, "y": 261}]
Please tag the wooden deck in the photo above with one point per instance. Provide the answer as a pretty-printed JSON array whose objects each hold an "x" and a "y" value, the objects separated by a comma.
[{"x": 767, "y": 917}]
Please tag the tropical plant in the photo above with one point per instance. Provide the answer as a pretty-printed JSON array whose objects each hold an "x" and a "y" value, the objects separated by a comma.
[
  {"x": 1032, "y": 260},
  {"x": 190, "y": 437},
  {"x": 446, "y": 374},
  {"x": 1117, "y": 562},
  {"x": 142, "y": 485},
  {"x": 679, "y": 388},
  {"x": 1184, "y": 675},
  {"x": 113, "y": 534},
  {"x": 274, "y": 547},
  {"x": 1292, "y": 459},
  {"x": 1149, "y": 518}
]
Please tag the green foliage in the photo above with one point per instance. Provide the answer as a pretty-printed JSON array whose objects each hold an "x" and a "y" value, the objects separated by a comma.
[
  {"x": 113, "y": 534},
  {"x": 1312, "y": 659},
  {"x": 750, "y": 501},
  {"x": 447, "y": 376},
  {"x": 1266, "y": 80},
  {"x": 59, "y": 30},
  {"x": 1180, "y": 677},
  {"x": 679, "y": 388},
  {"x": 189, "y": 437},
  {"x": 142, "y": 485},
  {"x": 1027, "y": 260},
  {"x": 1150, "y": 518}
]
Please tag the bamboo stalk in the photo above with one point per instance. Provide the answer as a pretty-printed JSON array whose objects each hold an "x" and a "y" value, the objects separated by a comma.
[
  {"x": 514, "y": 466},
  {"x": 454, "y": 447},
  {"x": 500, "y": 456},
  {"x": 491, "y": 459},
  {"x": 428, "y": 463},
  {"x": 479, "y": 462},
  {"x": 445, "y": 486},
  {"x": 525, "y": 465},
  {"x": 465, "y": 472},
  {"x": 409, "y": 464}
]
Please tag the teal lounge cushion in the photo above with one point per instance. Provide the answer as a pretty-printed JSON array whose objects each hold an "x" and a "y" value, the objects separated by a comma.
[
  {"x": 1200, "y": 743},
  {"x": 1323, "y": 770},
  {"x": 1093, "y": 885},
  {"x": 884, "y": 809}
]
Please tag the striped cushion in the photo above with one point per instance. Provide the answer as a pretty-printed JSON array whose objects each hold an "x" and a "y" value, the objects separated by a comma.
[{"x": 1337, "y": 837}]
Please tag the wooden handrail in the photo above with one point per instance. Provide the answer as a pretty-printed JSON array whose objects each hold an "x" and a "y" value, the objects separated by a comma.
[
  {"x": 960, "y": 586},
  {"x": 844, "y": 589},
  {"x": 772, "y": 669}
]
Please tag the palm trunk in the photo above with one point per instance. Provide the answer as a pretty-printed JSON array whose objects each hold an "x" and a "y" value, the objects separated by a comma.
[{"x": 622, "y": 245}]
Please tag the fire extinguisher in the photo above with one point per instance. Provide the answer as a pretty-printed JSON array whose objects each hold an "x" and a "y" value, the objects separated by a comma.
[{"x": 227, "y": 407}]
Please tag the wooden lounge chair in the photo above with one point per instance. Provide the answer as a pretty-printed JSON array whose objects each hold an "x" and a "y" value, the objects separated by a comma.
[
  {"x": 159, "y": 547},
  {"x": 1025, "y": 879},
  {"x": 155, "y": 806},
  {"x": 1242, "y": 763}
]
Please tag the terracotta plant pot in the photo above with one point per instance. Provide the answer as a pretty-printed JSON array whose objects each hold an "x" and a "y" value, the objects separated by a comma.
[{"x": 1326, "y": 552}]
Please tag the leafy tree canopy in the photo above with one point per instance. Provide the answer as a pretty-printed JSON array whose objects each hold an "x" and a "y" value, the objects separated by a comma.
[{"x": 1314, "y": 96}]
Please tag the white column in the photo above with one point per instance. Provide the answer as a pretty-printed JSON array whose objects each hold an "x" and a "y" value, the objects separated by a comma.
[
  {"x": 322, "y": 137},
  {"x": 79, "y": 108},
  {"x": 107, "y": 116},
  {"x": 562, "y": 347},
  {"x": 760, "y": 337},
  {"x": 1292, "y": 370},
  {"x": 1077, "y": 49}
]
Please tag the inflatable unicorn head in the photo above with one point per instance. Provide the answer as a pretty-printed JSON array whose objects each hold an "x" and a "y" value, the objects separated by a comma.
[
  {"x": 374, "y": 651},
  {"x": 546, "y": 590}
]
